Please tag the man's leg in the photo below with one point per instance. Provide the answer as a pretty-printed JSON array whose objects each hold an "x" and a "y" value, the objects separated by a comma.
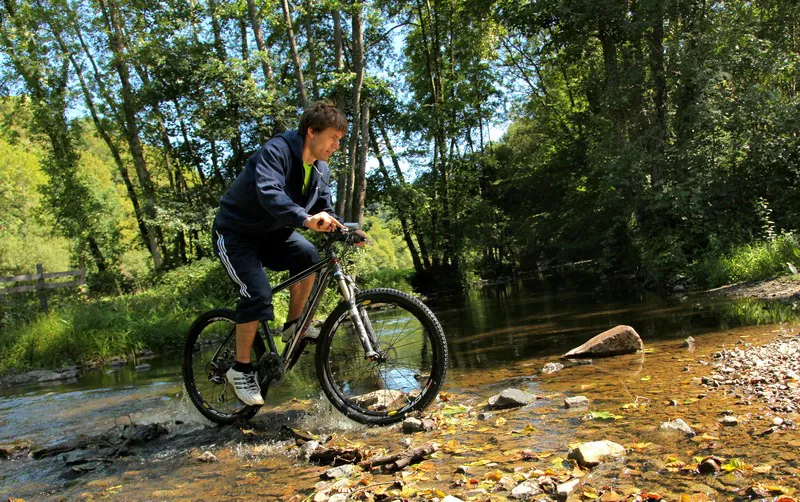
[
  {"x": 298, "y": 295},
  {"x": 288, "y": 250},
  {"x": 245, "y": 335},
  {"x": 239, "y": 256}
]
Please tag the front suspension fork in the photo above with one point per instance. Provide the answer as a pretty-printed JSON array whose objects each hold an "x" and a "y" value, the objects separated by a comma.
[{"x": 361, "y": 323}]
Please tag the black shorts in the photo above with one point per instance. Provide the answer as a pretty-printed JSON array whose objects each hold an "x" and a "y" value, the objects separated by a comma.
[{"x": 244, "y": 258}]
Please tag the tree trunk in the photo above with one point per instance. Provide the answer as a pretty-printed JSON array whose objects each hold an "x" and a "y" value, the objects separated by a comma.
[
  {"x": 298, "y": 69},
  {"x": 657, "y": 72},
  {"x": 189, "y": 145},
  {"x": 255, "y": 22},
  {"x": 243, "y": 36},
  {"x": 358, "y": 68},
  {"x": 94, "y": 249},
  {"x": 117, "y": 47},
  {"x": 360, "y": 193},
  {"x": 399, "y": 173},
  {"x": 103, "y": 132},
  {"x": 312, "y": 53},
  {"x": 412, "y": 248}
]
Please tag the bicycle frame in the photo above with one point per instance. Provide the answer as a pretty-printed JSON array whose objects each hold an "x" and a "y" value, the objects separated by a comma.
[{"x": 327, "y": 268}]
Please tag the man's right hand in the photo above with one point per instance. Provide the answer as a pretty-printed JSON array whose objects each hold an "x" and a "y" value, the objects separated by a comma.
[{"x": 322, "y": 222}]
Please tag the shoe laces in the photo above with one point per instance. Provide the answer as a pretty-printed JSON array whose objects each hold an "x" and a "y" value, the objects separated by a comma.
[
  {"x": 247, "y": 381},
  {"x": 250, "y": 382}
]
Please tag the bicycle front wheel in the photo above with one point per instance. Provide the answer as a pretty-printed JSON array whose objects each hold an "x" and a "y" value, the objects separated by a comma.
[
  {"x": 409, "y": 371},
  {"x": 209, "y": 350}
]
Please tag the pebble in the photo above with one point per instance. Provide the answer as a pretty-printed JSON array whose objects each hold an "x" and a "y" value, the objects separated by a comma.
[
  {"x": 525, "y": 490},
  {"x": 678, "y": 425},
  {"x": 564, "y": 490},
  {"x": 576, "y": 402},
  {"x": 207, "y": 457},
  {"x": 338, "y": 472},
  {"x": 552, "y": 368},
  {"x": 476, "y": 492},
  {"x": 729, "y": 420}
]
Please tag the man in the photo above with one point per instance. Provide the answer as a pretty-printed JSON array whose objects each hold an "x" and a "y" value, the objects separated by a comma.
[{"x": 283, "y": 187}]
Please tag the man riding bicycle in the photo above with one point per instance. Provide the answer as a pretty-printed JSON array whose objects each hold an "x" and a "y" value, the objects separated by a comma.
[{"x": 283, "y": 187}]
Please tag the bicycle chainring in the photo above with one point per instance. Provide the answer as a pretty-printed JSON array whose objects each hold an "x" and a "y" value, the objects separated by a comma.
[{"x": 270, "y": 370}]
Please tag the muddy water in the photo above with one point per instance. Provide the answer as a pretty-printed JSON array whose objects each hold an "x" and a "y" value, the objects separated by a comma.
[{"x": 499, "y": 337}]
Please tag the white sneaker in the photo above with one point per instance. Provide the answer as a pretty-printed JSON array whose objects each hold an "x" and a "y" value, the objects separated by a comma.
[
  {"x": 311, "y": 332},
  {"x": 246, "y": 387}
]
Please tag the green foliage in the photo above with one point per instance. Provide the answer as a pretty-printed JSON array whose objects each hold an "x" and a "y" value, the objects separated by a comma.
[{"x": 750, "y": 262}]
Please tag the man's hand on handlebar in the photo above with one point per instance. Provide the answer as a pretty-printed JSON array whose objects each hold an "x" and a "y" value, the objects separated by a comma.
[
  {"x": 322, "y": 222},
  {"x": 360, "y": 243}
]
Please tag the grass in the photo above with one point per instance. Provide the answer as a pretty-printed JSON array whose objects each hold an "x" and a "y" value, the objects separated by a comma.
[
  {"x": 751, "y": 262},
  {"x": 80, "y": 330}
]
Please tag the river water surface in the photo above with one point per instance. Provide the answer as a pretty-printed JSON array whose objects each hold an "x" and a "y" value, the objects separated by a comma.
[{"x": 499, "y": 337}]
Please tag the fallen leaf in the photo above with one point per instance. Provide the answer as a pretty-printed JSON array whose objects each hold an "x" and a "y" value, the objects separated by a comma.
[
  {"x": 779, "y": 490},
  {"x": 603, "y": 415},
  {"x": 500, "y": 422},
  {"x": 455, "y": 410},
  {"x": 735, "y": 464},
  {"x": 590, "y": 493},
  {"x": 695, "y": 497}
]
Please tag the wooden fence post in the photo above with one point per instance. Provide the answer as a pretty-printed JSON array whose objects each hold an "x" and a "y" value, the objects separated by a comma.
[{"x": 42, "y": 293}]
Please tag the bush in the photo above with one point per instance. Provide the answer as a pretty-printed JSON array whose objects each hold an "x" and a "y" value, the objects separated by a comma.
[{"x": 751, "y": 262}]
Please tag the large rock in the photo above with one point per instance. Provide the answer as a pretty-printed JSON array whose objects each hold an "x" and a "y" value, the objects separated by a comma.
[
  {"x": 593, "y": 453},
  {"x": 615, "y": 341},
  {"x": 511, "y": 398}
]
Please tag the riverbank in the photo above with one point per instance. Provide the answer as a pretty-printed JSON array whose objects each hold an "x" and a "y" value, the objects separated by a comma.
[
  {"x": 739, "y": 446},
  {"x": 785, "y": 289}
]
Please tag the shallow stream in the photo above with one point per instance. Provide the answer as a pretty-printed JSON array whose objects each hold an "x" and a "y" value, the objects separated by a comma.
[{"x": 499, "y": 337}]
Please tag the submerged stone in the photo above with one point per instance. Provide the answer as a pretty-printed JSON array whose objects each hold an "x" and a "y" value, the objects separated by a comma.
[
  {"x": 381, "y": 400},
  {"x": 552, "y": 368},
  {"x": 511, "y": 398},
  {"x": 593, "y": 453},
  {"x": 576, "y": 402},
  {"x": 678, "y": 425}
]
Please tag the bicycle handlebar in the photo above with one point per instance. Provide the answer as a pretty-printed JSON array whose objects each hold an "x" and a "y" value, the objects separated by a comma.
[{"x": 347, "y": 234}]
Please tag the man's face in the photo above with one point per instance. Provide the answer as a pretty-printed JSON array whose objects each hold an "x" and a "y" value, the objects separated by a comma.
[{"x": 322, "y": 144}]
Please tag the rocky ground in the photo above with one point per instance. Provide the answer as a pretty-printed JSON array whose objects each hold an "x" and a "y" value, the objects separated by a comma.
[
  {"x": 632, "y": 428},
  {"x": 785, "y": 289},
  {"x": 769, "y": 373}
]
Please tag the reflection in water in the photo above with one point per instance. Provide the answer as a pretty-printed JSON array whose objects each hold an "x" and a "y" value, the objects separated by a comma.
[{"x": 498, "y": 324}]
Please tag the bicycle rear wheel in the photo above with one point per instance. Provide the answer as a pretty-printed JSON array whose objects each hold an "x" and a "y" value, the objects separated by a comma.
[
  {"x": 409, "y": 372},
  {"x": 209, "y": 350}
]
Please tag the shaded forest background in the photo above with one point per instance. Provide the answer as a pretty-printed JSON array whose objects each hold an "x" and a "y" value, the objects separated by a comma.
[{"x": 647, "y": 137}]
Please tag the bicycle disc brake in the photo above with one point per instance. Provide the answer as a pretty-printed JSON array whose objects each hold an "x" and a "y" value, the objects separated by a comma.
[{"x": 270, "y": 370}]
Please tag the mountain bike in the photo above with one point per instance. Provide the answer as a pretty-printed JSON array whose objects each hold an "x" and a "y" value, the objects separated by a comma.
[{"x": 380, "y": 354}]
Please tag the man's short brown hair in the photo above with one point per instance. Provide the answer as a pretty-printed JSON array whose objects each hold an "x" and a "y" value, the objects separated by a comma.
[{"x": 320, "y": 116}]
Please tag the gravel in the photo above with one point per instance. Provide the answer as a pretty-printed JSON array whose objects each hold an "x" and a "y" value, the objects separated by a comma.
[{"x": 769, "y": 373}]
